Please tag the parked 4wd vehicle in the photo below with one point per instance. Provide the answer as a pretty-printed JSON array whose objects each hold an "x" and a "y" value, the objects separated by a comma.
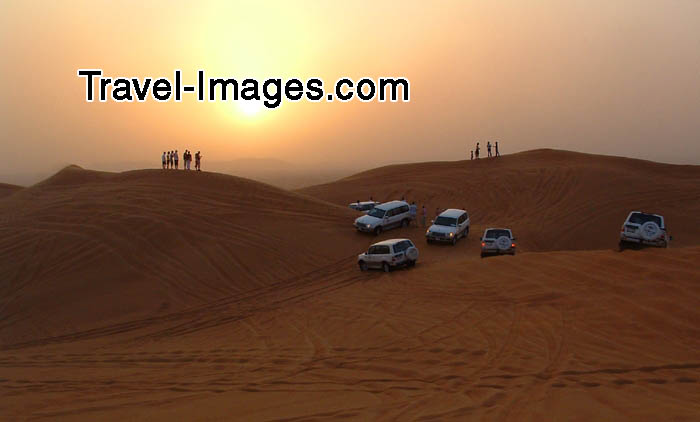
[
  {"x": 449, "y": 226},
  {"x": 388, "y": 255},
  {"x": 644, "y": 229},
  {"x": 384, "y": 216},
  {"x": 363, "y": 206},
  {"x": 497, "y": 242}
]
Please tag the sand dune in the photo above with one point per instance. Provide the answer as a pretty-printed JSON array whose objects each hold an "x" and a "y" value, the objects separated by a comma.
[
  {"x": 553, "y": 200},
  {"x": 86, "y": 247},
  {"x": 161, "y": 295},
  {"x": 7, "y": 189}
]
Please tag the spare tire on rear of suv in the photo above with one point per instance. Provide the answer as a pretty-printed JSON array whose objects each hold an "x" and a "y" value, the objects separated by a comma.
[
  {"x": 412, "y": 253},
  {"x": 650, "y": 231},
  {"x": 503, "y": 243}
]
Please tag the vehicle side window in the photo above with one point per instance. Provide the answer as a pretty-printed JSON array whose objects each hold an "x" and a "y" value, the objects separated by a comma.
[
  {"x": 383, "y": 249},
  {"x": 462, "y": 218},
  {"x": 402, "y": 246},
  {"x": 404, "y": 208}
]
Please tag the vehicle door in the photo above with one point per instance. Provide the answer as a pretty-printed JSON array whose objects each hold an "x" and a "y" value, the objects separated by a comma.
[
  {"x": 391, "y": 218},
  {"x": 461, "y": 224},
  {"x": 398, "y": 215},
  {"x": 372, "y": 256},
  {"x": 400, "y": 252},
  {"x": 383, "y": 255}
]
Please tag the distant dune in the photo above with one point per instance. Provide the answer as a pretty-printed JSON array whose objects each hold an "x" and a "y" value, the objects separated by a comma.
[
  {"x": 164, "y": 295},
  {"x": 553, "y": 200}
]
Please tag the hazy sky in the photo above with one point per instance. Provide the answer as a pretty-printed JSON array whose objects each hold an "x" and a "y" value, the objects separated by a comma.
[{"x": 613, "y": 77}]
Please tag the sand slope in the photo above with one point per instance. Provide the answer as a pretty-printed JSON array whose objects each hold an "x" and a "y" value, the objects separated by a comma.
[
  {"x": 84, "y": 247},
  {"x": 553, "y": 200},
  {"x": 564, "y": 335},
  {"x": 162, "y": 295}
]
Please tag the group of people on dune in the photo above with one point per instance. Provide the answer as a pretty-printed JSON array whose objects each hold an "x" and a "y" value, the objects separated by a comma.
[
  {"x": 171, "y": 160},
  {"x": 475, "y": 152}
]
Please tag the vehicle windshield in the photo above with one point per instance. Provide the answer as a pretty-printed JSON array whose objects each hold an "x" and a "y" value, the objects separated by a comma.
[
  {"x": 496, "y": 233},
  {"x": 641, "y": 218},
  {"x": 446, "y": 221},
  {"x": 376, "y": 212}
]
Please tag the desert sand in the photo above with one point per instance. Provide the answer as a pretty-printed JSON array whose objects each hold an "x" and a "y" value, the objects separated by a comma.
[{"x": 163, "y": 295}]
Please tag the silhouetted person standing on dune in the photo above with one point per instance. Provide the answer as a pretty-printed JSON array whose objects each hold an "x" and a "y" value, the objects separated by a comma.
[
  {"x": 472, "y": 156},
  {"x": 163, "y": 160},
  {"x": 176, "y": 160},
  {"x": 488, "y": 149},
  {"x": 498, "y": 154},
  {"x": 198, "y": 161},
  {"x": 476, "y": 151}
]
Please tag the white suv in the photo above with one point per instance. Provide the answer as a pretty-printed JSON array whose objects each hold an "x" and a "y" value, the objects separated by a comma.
[
  {"x": 389, "y": 254},
  {"x": 642, "y": 228},
  {"x": 498, "y": 242},
  {"x": 449, "y": 226},
  {"x": 384, "y": 216}
]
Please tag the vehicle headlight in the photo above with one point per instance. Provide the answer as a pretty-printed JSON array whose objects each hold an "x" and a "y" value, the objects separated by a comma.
[
  {"x": 369, "y": 225},
  {"x": 452, "y": 234},
  {"x": 427, "y": 231}
]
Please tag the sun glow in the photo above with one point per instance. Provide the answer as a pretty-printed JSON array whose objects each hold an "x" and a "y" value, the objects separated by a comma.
[{"x": 250, "y": 107}]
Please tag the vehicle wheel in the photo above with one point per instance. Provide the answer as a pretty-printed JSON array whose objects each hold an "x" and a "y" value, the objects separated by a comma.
[
  {"x": 363, "y": 266},
  {"x": 454, "y": 240},
  {"x": 483, "y": 255},
  {"x": 378, "y": 231},
  {"x": 385, "y": 267},
  {"x": 405, "y": 222},
  {"x": 512, "y": 253},
  {"x": 622, "y": 246}
]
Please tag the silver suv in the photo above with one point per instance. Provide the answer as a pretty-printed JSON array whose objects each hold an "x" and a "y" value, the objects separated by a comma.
[
  {"x": 364, "y": 206},
  {"x": 644, "y": 229},
  {"x": 384, "y": 216},
  {"x": 497, "y": 242},
  {"x": 388, "y": 255},
  {"x": 449, "y": 226}
]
